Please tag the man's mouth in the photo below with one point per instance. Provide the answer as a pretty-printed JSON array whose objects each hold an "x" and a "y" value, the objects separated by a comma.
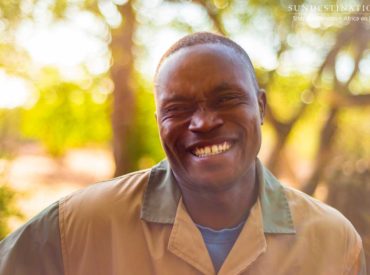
[{"x": 211, "y": 150}]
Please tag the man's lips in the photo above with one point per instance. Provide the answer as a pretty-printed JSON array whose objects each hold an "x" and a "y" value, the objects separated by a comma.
[{"x": 202, "y": 150}]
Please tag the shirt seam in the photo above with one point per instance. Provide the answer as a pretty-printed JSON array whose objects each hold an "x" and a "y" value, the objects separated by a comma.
[
  {"x": 356, "y": 259},
  {"x": 62, "y": 236}
]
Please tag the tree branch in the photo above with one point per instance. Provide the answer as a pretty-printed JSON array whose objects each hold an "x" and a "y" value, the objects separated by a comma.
[
  {"x": 213, "y": 14},
  {"x": 341, "y": 100}
]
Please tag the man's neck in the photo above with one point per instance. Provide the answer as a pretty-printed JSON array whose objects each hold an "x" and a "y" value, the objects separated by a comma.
[{"x": 222, "y": 209}]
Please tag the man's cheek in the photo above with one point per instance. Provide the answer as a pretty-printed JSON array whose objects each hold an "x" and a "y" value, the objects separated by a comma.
[
  {"x": 165, "y": 129},
  {"x": 168, "y": 137}
]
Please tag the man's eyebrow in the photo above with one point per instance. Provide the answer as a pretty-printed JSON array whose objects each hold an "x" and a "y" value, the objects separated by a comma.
[
  {"x": 221, "y": 87},
  {"x": 176, "y": 98},
  {"x": 224, "y": 86}
]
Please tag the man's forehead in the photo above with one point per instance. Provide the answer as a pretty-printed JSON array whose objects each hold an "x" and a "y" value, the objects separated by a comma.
[
  {"x": 199, "y": 51},
  {"x": 217, "y": 88},
  {"x": 179, "y": 75},
  {"x": 194, "y": 56}
]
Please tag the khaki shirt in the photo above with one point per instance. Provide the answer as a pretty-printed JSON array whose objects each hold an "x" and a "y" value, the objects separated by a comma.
[{"x": 137, "y": 224}]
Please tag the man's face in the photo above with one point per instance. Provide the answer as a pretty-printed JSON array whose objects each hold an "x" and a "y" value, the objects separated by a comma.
[{"x": 209, "y": 116}]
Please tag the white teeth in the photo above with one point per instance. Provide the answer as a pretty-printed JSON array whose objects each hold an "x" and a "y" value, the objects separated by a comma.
[{"x": 212, "y": 150}]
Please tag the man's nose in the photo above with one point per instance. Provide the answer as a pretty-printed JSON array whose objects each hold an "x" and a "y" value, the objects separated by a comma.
[{"x": 204, "y": 120}]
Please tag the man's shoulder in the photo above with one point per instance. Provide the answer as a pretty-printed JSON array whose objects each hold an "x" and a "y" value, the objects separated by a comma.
[
  {"x": 108, "y": 195},
  {"x": 323, "y": 228},
  {"x": 310, "y": 214},
  {"x": 122, "y": 185}
]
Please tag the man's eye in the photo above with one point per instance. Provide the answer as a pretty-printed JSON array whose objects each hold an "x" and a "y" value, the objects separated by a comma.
[
  {"x": 227, "y": 99},
  {"x": 178, "y": 109}
]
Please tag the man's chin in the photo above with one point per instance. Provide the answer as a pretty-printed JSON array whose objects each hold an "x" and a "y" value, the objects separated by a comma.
[{"x": 211, "y": 181}]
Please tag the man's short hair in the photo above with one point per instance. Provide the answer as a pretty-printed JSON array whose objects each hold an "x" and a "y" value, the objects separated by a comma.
[{"x": 200, "y": 38}]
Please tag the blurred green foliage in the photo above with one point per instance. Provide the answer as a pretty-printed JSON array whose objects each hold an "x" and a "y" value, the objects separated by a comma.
[
  {"x": 9, "y": 132},
  {"x": 285, "y": 94},
  {"x": 353, "y": 133},
  {"x": 9, "y": 135},
  {"x": 144, "y": 144},
  {"x": 7, "y": 208},
  {"x": 68, "y": 114}
]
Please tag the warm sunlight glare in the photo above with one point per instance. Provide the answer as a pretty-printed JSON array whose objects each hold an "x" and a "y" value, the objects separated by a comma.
[{"x": 14, "y": 91}]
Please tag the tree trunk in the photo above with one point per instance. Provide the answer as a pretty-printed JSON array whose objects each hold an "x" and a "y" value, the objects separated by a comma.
[
  {"x": 123, "y": 93},
  {"x": 324, "y": 153}
]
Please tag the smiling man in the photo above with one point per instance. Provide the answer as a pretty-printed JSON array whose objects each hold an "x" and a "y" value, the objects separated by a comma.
[
  {"x": 211, "y": 208},
  {"x": 209, "y": 112}
]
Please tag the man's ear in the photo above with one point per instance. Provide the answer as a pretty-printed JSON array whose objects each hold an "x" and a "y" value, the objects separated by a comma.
[{"x": 261, "y": 97}]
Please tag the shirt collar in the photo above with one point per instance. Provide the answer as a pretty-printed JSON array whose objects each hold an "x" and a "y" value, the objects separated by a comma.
[{"x": 162, "y": 196}]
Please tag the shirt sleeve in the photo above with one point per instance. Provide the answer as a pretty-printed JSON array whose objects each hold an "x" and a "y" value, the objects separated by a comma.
[{"x": 34, "y": 249}]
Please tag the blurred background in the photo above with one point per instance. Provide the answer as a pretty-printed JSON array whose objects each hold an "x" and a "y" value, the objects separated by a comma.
[{"x": 76, "y": 93}]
